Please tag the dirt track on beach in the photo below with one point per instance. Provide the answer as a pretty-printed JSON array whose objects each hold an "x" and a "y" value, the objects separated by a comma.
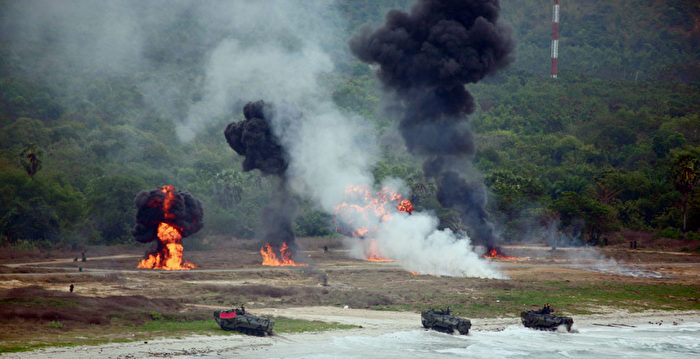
[{"x": 232, "y": 275}]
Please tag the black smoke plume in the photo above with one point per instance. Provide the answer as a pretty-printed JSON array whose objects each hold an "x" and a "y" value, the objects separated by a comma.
[
  {"x": 254, "y": 139},
  {"x": 425, "y": 58},
  {"x": 180, "y": 209}
]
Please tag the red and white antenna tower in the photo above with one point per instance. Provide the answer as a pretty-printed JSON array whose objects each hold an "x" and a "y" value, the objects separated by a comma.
[{"x": 555, "y": 38}]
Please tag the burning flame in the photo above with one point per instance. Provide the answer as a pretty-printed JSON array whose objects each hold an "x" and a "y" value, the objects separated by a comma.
[
  {"x": 358, "y": 216},
  {"x": 169, "y": 256},
  {"x": 372, "y": 253},
  {"x": 285, "y": 259},
  {"x": 169, "y": 253},
  {"x": 496, "y": 252}
]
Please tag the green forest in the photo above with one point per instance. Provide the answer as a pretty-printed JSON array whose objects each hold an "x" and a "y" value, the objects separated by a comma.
[{"x": 612, "y": 144}]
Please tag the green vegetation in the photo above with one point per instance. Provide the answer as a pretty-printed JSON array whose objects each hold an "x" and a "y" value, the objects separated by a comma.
[
  {"x": 287, "y": 325},
  {"x": 162, "y": 328},
  {"x": 564, "y": 297},
  {"x": 171, "y": 328},
  {"x": 593, "y": 152},
  {"x": 37, "y": 302},
  {"x": 66, "y": 319}
]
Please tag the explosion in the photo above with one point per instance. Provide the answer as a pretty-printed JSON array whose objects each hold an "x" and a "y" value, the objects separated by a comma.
[
  {"x": 166, "y": 215},
  {"x": 362, "y": 212}
]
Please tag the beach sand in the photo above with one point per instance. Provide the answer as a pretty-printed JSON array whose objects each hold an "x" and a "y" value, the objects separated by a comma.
[{"x": 369, "y": 322}]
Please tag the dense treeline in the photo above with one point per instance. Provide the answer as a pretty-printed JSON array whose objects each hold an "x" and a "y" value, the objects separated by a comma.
[{"x": 613, "y": 143}]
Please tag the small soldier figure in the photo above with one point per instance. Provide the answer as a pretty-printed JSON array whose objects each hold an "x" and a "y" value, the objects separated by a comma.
[{"x": 71, "y": 287}]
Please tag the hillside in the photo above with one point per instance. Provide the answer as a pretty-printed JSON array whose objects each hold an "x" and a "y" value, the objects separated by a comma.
[{"x": 91, "y": 108}]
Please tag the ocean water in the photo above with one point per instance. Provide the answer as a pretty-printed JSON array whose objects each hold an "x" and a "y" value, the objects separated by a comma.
[{"x": 648, "y": 341}]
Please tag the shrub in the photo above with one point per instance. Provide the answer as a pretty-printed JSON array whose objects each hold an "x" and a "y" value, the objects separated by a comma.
[{"x": 669, "y": 232}]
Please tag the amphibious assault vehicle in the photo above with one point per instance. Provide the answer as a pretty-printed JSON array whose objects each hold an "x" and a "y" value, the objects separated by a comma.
[
  {"x": 442, "y": 321},
  {"x": 237, "y": 319},
  {"x": 543, "y": 319}
]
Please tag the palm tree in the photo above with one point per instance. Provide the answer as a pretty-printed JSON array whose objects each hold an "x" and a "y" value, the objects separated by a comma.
[
  {"x": 685, "y": 178},
  {"x": 30, "y": 159}
]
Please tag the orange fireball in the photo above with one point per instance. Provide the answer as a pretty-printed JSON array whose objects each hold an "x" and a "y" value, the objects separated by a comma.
[{"x": 168, "y": 256}]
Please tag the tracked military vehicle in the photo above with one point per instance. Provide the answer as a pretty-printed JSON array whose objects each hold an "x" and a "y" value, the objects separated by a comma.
[
  {"x": 543, "y": 319},
  {"x": 237, "y": 319},
  {"x": 442, "y": 321}
]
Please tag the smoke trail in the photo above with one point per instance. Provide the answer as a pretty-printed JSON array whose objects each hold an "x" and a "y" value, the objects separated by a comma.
[
  {"x": 254, "y": 139},
  {"x": 425, "y": 58}
]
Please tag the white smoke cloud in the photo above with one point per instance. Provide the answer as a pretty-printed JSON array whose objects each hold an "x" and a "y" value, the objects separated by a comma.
[
  {"x": 415, "y": 241},
  {"x": 104, "y": 38},
  {"x": 591, "y": 259},
  {"x": 238, "y": 73},
  {"x": 332, "y": 152}
]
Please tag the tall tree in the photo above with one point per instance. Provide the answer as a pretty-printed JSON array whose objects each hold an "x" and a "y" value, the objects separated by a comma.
[{"x": 685, "y": 177}]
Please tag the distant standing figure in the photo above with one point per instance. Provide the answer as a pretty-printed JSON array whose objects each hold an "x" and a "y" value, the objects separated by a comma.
[
  {"x": 71, "y": 287},
  {"x": 547, "y": 309},
  {"x": 325, "y": 249},
  {"x": 84, "y": 259}
]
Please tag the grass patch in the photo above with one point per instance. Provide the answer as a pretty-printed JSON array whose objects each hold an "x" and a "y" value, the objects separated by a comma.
[
  {"x": 17, "y": 347},
  {"x": 564, "y": 298},
  {"x": 37, "y": 302},
  {"x": 209, "y": 327},
  {"x": 288, "y": 325},
  {"x": 163, "y": 328}
]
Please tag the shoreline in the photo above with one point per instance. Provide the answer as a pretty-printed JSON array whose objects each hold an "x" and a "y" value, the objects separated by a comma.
[{"x": 371, "y": 322}]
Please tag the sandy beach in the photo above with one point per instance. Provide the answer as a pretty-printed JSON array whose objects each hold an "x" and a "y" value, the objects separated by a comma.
[{"x": 370, "y": 323}]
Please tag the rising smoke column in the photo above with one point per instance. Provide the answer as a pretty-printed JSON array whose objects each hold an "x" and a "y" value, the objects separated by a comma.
[
  {"x": 166, "y": 215},
  {"x": 425, "y": 58},
  {"x": 254, "y": 139}
]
